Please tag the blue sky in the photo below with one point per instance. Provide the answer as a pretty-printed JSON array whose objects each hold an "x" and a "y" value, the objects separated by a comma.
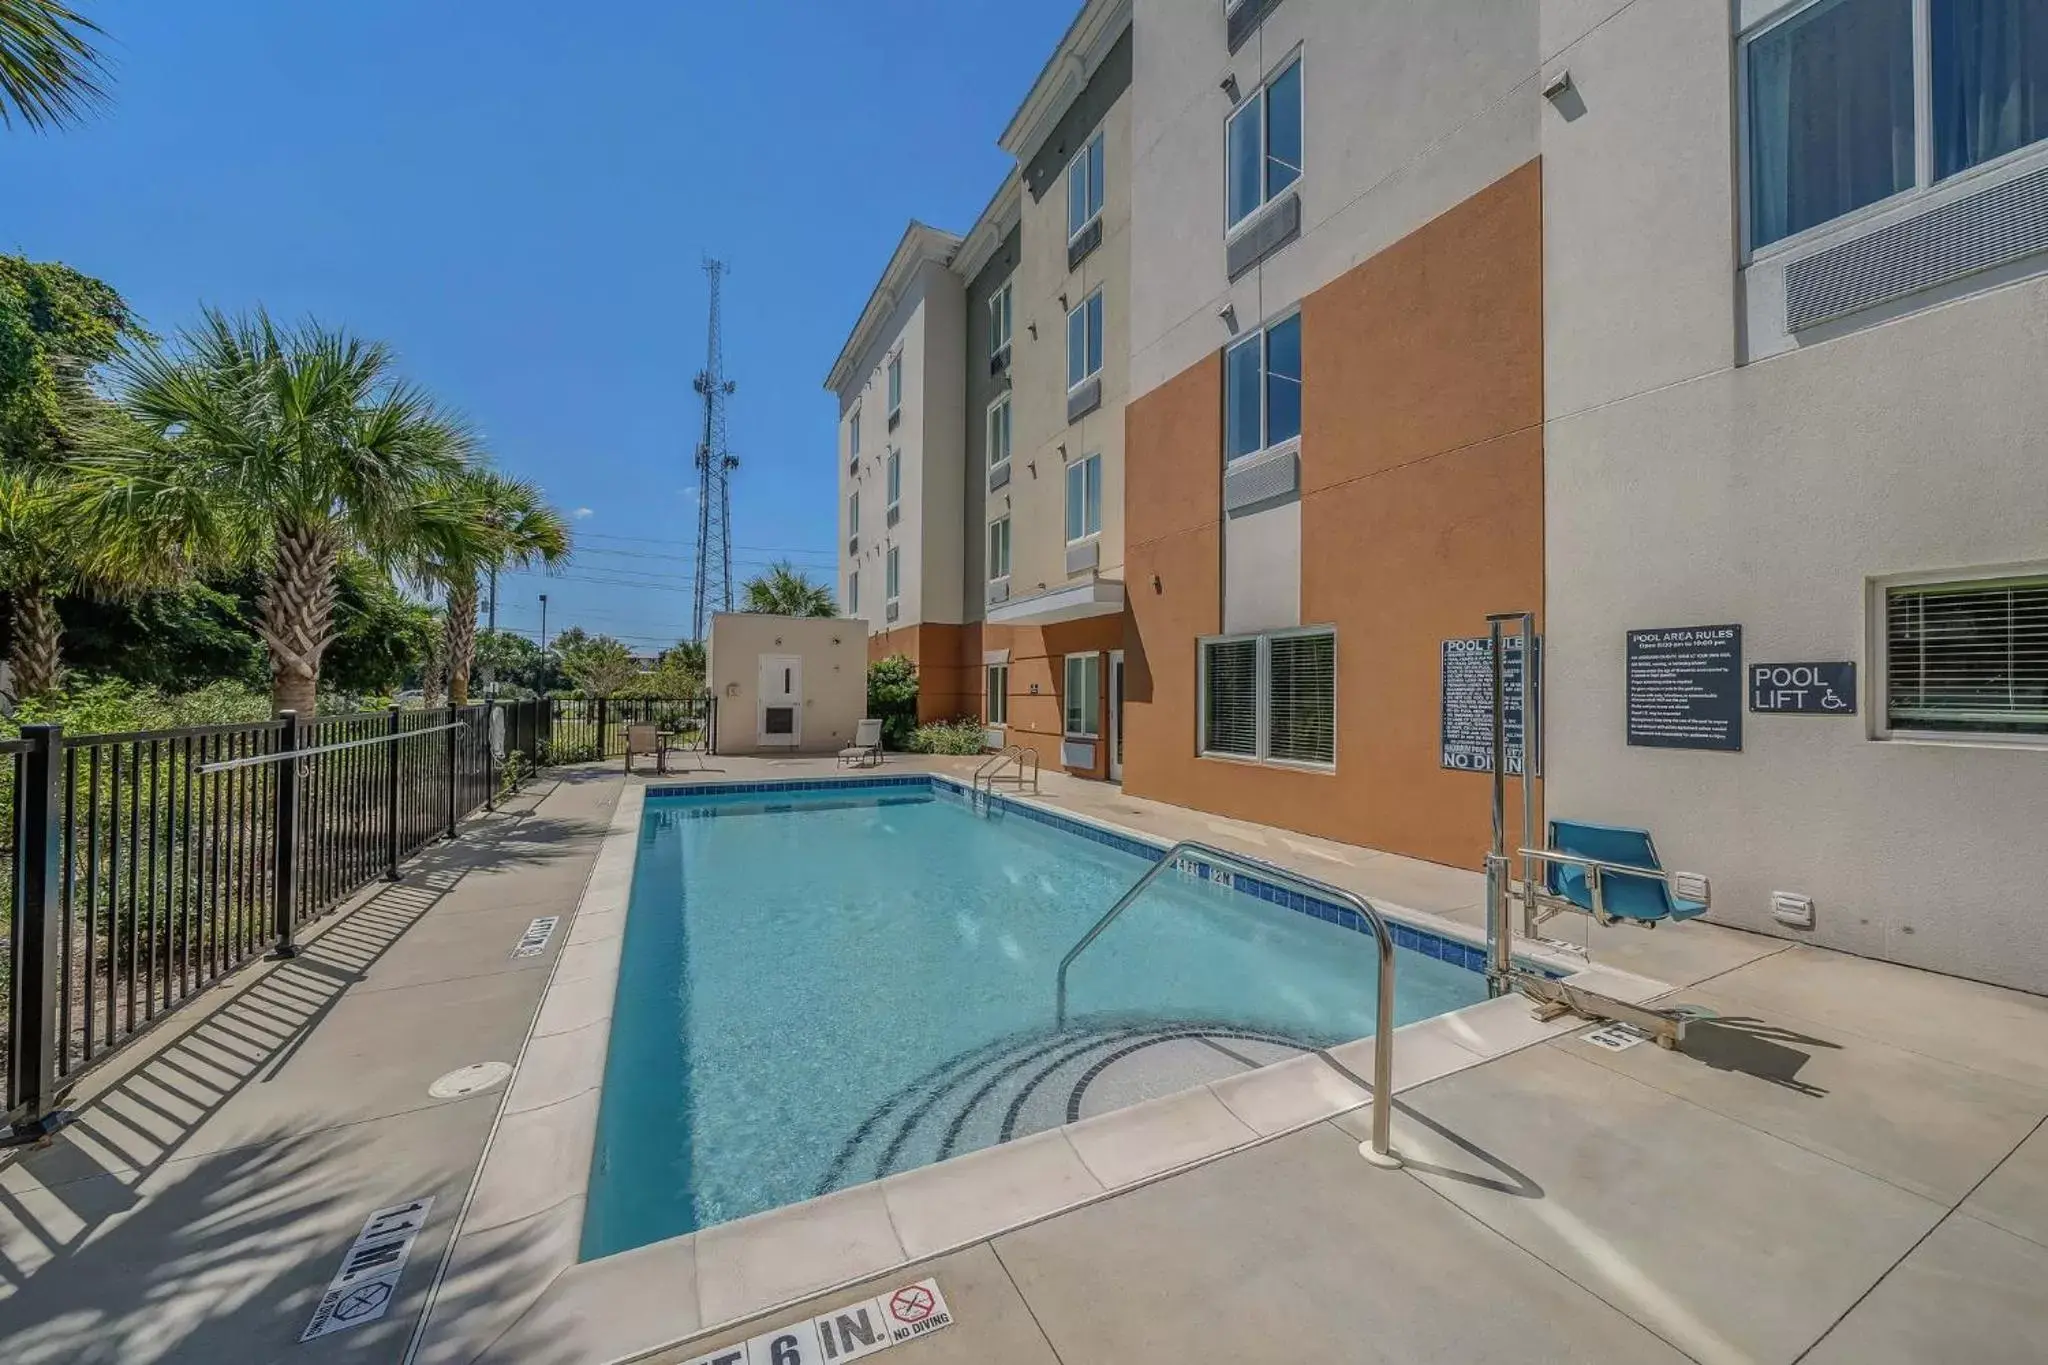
[{"x": 518, "y": 197}]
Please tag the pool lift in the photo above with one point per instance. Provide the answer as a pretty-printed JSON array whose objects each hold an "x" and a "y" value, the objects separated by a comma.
[{"x": 1609, "y": 873}]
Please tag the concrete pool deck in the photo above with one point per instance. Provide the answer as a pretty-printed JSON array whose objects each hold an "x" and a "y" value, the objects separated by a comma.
[{"x": 1846, "y": 1164}]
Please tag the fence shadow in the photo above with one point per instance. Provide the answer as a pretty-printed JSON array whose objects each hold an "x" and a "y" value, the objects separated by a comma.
[{"x": 146, "y": 1231}]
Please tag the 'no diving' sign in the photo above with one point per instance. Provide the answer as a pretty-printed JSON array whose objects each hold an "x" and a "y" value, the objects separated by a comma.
[
  {"x": 362, "y": 1290},
  {"x": 849, "y": 1333}
]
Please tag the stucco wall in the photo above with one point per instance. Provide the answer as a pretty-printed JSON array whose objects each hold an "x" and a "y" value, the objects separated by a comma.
[
  {"x": 984, "y": 386},
  {"x": 1683, "y": 490},
  {"x": 834, "y": 655}
]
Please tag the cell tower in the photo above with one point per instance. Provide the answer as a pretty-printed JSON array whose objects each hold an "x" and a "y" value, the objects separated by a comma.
[{"x": 714, "y": 477}]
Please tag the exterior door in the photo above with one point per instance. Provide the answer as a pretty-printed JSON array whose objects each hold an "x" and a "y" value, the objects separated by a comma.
[
  {"x": 782, "y": 701},
  {"x": 1116, "y": 715}
]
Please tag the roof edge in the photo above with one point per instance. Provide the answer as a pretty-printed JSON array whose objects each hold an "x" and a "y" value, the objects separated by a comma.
[
  {"x": 1087, "y": 42},
  {"x": 921, "y": 242},
  {"x": 1005, "y": 209}
]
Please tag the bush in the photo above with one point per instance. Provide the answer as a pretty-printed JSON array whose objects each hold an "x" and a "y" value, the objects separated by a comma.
[
  {"x": 962, "y": 736},
  {"x": 892, "y": 698}
]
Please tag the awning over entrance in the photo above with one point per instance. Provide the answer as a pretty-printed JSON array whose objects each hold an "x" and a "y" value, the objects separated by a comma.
[{"x": 1075, "y": 602}]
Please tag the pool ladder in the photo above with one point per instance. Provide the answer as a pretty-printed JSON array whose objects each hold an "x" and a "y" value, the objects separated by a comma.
[
  {"x": 992, "y": 768},
  {"x": 1189, "y": 852}
]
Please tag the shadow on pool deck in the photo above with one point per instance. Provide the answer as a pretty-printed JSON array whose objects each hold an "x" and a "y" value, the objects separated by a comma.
[{"x": 199, "y": 1206}]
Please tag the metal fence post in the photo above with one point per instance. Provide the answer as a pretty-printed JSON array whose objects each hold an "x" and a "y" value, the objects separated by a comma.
[
  {"x": 391, "y": 787},
  {"x": 34, "y": 1028},
  {"x": 285, "y": 830},
  {"x": 490, "y": 753},
  {"x": 603, "y": 707},
  {"x": 450, "y": 734}
]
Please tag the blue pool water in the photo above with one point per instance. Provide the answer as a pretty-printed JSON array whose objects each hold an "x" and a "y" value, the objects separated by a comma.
[{"x": 821, "y": 988}]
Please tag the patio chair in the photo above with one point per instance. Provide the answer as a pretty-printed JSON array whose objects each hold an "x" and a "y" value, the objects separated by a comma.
[
  {"x": 866, "y": 748},
  {"x": 1611, "y": 872},
  {"x": 642, "y": 740}
]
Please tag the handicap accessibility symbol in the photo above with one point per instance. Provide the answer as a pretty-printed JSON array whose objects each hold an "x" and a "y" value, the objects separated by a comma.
[{"x": 360, "y": 1302}]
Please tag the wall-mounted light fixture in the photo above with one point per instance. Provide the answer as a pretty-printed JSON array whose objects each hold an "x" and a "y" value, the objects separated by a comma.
[
  {"x": 1228, "y": 85},
  {"x": 1557, "y": 85},
  {"x": 1033, "y": 325},
  {"x": 1228, "y": 314},
  {"x": 1157, "y": 587},
  {"x": 1064, "y": 305}
]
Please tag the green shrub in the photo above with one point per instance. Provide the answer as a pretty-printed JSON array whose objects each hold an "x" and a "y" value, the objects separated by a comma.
[
  {"x": 892, "y": 698},
  {"x": 962, "y": 736}
]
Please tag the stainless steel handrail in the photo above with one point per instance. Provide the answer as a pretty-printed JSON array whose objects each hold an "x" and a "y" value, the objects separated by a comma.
[
  {"x": 992, "y": 767},
  {"x": 281, "y": 755},
  {"x": 1596, "y": 870},
  {"x": 1381, "y": 1149}
]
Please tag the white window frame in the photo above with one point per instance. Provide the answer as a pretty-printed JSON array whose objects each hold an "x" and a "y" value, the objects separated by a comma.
[
  {"x": 853, "y": 592},
  {"x": 893, "y": 479},
  {"x": 1925, "y": 183},
  {"x": 1088, "y": 533},
  {"x": 995, "y": 694},
  {"x": 1001, "y": 319},
  {"x": 1001, "y": 405},
  {"x": 1066, "y": 695},
  {"x": 853, "y": 425},
  {"x": 1262, "y": 705},
  {"x": 1877, "y": 693},
  {"x": 1233, "y": 226},
  {"x": 895, "y": 384},
  {"x": 1096, "y": 147},
  {"x": 853, "y": 513},
  {"x": 1259, "y": 338},
  {"x": 1080, "y": 310},
  {"x": 892, "y": 575},
  {"x": 989, "y": 549}
]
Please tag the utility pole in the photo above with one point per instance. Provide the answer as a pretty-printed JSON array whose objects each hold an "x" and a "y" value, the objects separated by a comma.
[
  {"x": 490, "y": 665},
  {"x": 543, "y": 625},
  {"x": 714, "y": 472}
]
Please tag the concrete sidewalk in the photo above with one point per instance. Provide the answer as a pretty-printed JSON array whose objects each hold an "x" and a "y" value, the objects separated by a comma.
[{"x": 201, "y": 1204}]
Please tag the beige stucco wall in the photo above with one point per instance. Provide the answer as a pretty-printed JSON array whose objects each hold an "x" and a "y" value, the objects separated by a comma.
[{"x": 835, "y": 688}]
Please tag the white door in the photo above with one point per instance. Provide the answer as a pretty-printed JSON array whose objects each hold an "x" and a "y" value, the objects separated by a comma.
[
  {"x": 1116, "y": 715},
  {"x": 782, "y": 701}
]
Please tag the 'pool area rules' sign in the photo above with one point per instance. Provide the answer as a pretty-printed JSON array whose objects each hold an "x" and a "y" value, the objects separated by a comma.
[
  {"x": 849, "y": 1333},
  {"x": 1685, "y": 687}
]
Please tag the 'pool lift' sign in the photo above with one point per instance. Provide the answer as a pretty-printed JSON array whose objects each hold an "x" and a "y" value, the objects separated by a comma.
[{"x": 1820, "y": 689}]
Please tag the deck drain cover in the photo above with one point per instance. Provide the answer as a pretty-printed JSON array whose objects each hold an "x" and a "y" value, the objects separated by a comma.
[{"x": 469, "y": 1080}]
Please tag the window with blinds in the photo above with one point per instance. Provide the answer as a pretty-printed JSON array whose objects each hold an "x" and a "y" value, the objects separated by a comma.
[
  {"x": 1271, "y": 697},
  {"x": 1230, "y": 698},
  {"x": 1301, "y": 705},
  {"x": 1968, "y": 657}
]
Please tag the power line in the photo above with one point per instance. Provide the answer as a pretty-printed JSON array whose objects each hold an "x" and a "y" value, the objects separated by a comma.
[{"x": 672, "y": 540}]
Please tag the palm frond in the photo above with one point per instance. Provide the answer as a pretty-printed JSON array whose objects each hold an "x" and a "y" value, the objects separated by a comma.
[{"x": 50, "y": 72}]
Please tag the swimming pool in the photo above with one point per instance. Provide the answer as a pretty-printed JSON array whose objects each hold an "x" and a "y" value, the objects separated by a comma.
[{"x": 826, "y": 983}]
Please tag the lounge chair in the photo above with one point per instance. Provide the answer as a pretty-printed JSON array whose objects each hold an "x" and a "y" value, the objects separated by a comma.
[
  {"x": 866, "y": 747},
  {"x": 642, "y": 740}
]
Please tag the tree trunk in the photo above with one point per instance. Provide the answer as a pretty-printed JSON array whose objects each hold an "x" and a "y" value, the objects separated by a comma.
[
  {"x": 38, "y": 638},
  {"x": 461, "y": 639},
  {"x": 295, "y": 614}
]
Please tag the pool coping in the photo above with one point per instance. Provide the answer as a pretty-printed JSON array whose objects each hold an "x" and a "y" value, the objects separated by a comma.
[{"x": 519, "y": 1232}]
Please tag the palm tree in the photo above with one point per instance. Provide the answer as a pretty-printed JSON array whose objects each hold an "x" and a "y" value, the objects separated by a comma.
[
  {"x": 278, "y": 446},
  {"x": 491, "y": 521},
  {"x": 49, "y": 72},
  {"x": 785, "y": 591}
]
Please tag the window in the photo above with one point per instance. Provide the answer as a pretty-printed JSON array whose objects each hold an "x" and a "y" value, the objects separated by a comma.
[
  {"x": 1262, "y": 389},
  {"x": 1271, "y": 698},
  {"x": 1989, "y": 63},
  {"x": 999, "y": 431},
  {"x": 1084, "y": 498},
  {"x": 1084, "y": 341},
  {"x": 1968, "y": 657},
  {"x": 853, "y": 513},
  {"x": 892, "y": 578},
  {"x": 895, "y": 478},
  {"x": 853, "y": 593},
  {"x": 895, "y": 385},
  {"x": 999, "y": 548},
  {"x": 999, "y": 323},
  {"x": 1832, "y": 93},
  {"x": 854, "y": 426},
  {"x": 1084, "y": 694},
  {"x": 996, "y": 695},
  {"x": 1084, "y": 187},
  {"x": 1264, "y": 151}
]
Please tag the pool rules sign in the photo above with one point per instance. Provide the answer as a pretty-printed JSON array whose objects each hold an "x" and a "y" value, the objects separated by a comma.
[
  {"x": 850, "y": 1333},
  {"x": 1685, "y": 687}
]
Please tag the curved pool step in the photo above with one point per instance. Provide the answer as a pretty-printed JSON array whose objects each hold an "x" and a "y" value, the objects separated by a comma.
[{"x": 1030, "y": 1082}]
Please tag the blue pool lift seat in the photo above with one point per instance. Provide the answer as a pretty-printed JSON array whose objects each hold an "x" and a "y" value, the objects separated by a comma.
[{"x": 1612, "y": 873}]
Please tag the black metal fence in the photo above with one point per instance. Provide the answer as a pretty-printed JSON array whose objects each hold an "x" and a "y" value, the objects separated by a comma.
[{"x": 143, "y": 867}]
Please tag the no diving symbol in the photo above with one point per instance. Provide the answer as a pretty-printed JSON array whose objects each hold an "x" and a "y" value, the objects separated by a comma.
[
  {"x": 360, "y": 1302},
  {"x": 912, "y": 1305}
]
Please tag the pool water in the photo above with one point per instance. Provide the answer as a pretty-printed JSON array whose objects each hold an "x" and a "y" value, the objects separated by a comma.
[{"x": 818, "y": 989}]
